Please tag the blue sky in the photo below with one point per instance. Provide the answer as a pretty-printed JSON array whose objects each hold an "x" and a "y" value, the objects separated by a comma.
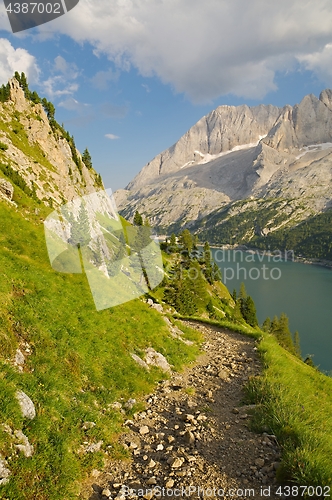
[{"x": 129, "y": 77}]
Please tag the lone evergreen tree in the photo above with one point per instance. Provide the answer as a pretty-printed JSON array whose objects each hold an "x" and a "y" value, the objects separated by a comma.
[
  {"x": 186, "y": 241},
  {"x": 172, "y": 243},
  {"x": 280, "y": 329},
  {"x": 80, "y": 231},
  {"x": 210, "y": 309},
  {"x": 249, "y": 312},
  {"x": 266, "y": 327},
  {"x": 138, "y": 219},
  {"x": 86, "y": 157},
  {"x": 208, "y": 269}
]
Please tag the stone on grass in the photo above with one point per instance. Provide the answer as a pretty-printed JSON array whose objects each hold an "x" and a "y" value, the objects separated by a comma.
[{"x": 27, "y": 407}]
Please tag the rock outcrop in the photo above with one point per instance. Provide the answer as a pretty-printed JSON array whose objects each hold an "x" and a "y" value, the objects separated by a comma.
[
  {"x": 40, "y": 155},
  {"x": 6, "y": 189}
]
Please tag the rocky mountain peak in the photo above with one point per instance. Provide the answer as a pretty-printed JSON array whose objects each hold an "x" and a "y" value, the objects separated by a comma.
[
  {"x": 221, "y": 131},
  {"x": 17, "y": 96},
  {"x": 237, "y": 153},
  {"x": 326, "y": 98}
]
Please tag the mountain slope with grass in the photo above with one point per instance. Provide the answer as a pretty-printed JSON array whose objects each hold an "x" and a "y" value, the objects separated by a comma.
[
  {"x": 72, "y": 366},
  {"x": 71, "y": 375},
  {"x": 76, "y": 363}
]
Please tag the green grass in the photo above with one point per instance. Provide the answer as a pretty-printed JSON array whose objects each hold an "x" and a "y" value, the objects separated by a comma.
[
  {"x": 295, "y": 403},
  {"x": 80, "y": 362}
]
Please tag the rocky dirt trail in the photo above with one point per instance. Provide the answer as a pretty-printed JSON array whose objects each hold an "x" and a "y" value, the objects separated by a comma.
[{"x": 194, "y": 436}]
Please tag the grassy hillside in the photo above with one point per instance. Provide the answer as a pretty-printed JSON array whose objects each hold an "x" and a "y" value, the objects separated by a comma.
[
  {"x": 79, "y": 361},
  {"x": 294, "y": 402}
]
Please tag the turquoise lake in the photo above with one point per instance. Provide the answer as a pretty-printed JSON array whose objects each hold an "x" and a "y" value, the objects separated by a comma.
[{"x": 302, "y": 291}]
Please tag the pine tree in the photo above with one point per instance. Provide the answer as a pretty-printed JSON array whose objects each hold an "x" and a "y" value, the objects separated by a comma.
[
  {"x": 266, "y": 327},
  {"x": 216, "y": 272},
  {"x": 34, "y": 97},
  {"x": 138, "y": 219},
  {"x": 119, "y": 252},
  {"x": 172, "y": 244},
  {"x": 243, "y": 291},
  {"x": 242, "y": 299},
  {"x": 86, "y": 157},
  {"x": 4, "y": 92},
  {"x": 249, "y": 313},
  {"x": 208, "y": 269},
  {"x": 274, "y": 324},
  {"x": 280, "y": 329},
  {"x": 49, "y": 109},
  {"x": 186, "y": 241},
  {"x": 80, "y": 231},
  {"x": 24, "y": 85},
  {"x": 210, "y": 309}
]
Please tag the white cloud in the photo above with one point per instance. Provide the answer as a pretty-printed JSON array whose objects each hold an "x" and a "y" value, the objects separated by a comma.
[
  {"x": 101, "y": 78},
  {"x": 69, "y": 70},
  {"x": 112, "y": 136},
  {"x": 61, "y": 82},
  {"x": 146, "y": 87},
  {"x": 49, "y": 86},
  {"x": 321, "y": 63},
  {"x": 20, "y": 60},
  {"x": 204, "y": 49},
  {"x": 73, "y": 105}
]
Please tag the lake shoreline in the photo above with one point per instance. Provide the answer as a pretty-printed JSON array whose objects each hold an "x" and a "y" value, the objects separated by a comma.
[{"x": 327, "y": 264}]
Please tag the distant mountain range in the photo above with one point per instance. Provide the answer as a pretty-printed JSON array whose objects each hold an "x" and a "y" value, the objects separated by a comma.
[{"x": 240, "y": 173}]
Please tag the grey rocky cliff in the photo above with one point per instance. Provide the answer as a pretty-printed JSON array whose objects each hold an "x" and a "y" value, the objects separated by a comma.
[
  {"x": 220, "y": 131},
  {"x": 239, "y": 153}
]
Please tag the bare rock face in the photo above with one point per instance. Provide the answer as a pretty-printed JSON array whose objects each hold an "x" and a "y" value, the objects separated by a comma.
[
  {"x": 326, "y": 98},
  {"x": 309, "y": 122},
  {"x": 239, "y": 153},
  {"x": 17, "y": 96},
  {"x": 6, "y": 189},
  {"x": 223, "y": 129}
]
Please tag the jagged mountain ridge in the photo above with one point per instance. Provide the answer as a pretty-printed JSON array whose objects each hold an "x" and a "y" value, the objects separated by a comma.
[{"x": 240, "y": 153}]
